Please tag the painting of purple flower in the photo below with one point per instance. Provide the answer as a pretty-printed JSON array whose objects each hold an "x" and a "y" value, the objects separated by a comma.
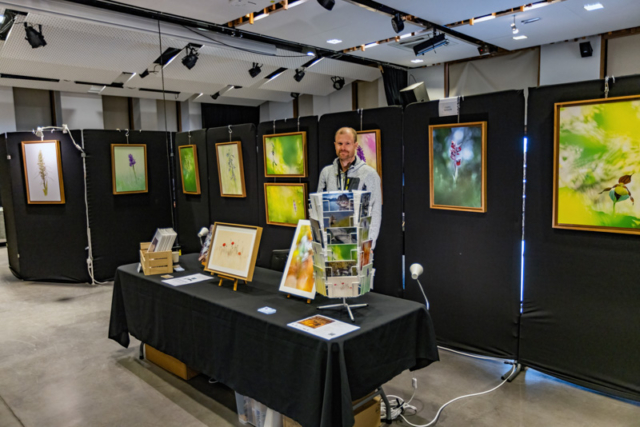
[
  {"x": 132, "y": 163},
  {"x": 128, "y": 160}
]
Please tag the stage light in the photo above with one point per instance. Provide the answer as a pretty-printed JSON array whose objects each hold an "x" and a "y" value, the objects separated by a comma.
[
  {"x": 144, "y": 74},
  {"x": 215, "y": 95},
  {"x": 295, "y": 95},
  {"x": 327, "y": 4},
  {"x": 190, "y": 58},
  {"x": 338, "y": 82},
  {"x": 431, "y": 44},
  {"x": 586, "y": 50},
  {"x": 397, "y": 23},
  {"x": 255, "y": 70},
  {"x": 34, "y": 37},
  {"x": 299, "y": 74},
  {"x": 514, "y": 29}
]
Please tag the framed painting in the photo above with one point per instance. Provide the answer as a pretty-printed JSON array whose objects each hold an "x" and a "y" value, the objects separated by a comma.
[
  {"x": 370, "y": 149},
  {"x": 596, "y": 157},
  {"x": 43, "y": 172},
  {"x": 458, "y": 166},
  {"x": 285, "y": 204},
  {"x": 189, "y": 169},
  {"x": 285, "y": 155},
  {"x": 233, "y": 250},
  {"x": 298, "y": 278},
  {"x": 129, "y": 168},
  {"x": 230, "y": 169}
]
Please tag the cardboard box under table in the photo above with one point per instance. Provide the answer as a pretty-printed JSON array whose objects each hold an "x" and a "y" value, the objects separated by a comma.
[{"x": 221, "y": 334}]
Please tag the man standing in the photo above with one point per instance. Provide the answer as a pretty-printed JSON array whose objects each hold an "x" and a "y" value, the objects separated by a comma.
[{"x": 348, "y": 173}]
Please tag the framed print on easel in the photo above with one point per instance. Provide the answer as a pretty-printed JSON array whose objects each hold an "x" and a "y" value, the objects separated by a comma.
[
  {"x": 285, "y": 155},
  {"x": 458, "y": 166},
  {"x": 596, "y": 159},
  {"x": 129, "y": 168},
  {"x": 230, "y": 169},
  {"x": 188, "y": 155},
  {"x": 233, "y": 250},
  {"x": 43, "y": 172}
]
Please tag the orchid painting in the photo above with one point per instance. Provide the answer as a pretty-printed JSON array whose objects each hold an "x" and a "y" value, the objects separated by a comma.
[
  {"x": 43, "y": 172},
  {"x": 129, "y": 167},
  {"x": 597, "y": 156},
  {"x": 458, "y": 166}
]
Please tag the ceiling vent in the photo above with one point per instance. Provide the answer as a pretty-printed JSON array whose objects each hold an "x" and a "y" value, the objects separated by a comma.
[{"x": 408, "y": 43}]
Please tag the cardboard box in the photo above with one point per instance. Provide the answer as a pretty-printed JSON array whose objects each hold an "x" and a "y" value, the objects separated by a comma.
[
  {"x": 168, "y": 363},
  {"x": 368, "y": 415}
]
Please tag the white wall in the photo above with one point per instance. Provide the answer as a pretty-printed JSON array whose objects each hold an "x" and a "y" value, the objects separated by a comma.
[
  {"x": 305, "y": 105},
  {"x": 336, "y": 102},
  {"x": 82, "y": 110},
  {"x": 382, "y": 96},
  {"x": 272, "y": 110},
  {"x": 145, "y": 114},
  {"x": 191, "y": 115},
  {"x": 7, "y": 110},
  {"x": 433, "y": 78},
  {"x": 562, "y": 63},
  {"x": 172, "y": 115}
]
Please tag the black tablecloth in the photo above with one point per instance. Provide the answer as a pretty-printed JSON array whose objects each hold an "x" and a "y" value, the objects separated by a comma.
[{"x": 220, "y": 333}]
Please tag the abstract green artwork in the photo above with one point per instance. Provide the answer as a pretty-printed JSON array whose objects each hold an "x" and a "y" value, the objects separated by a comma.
[
  {"x": 189, "y": 169},
  {"x": 458, "y": 166},
  {"x": 230, "y": 169},
  {"x": 129, "y": 168},
  {"x": 285, "y": 203},
  {"x": 597, "y": 156},
  {"x": 285, "y": 155}
]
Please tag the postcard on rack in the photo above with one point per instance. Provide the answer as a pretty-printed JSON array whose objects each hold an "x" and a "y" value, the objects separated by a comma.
[
  {"x": 338, "y": 219},
  {"x": 316, "y": 231},
  {"x": 320, "y": 277},
  {"x": 318, "y": 254},
  {"x": 337, "y": 201},
  {"x": 339, "y": 235},
  {"x": 323, "y": 327},
  {"x": 341, "y": 268},
  {"x": 315, "y": 210}
]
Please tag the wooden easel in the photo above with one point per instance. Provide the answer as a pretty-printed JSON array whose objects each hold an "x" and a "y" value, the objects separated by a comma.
[
  {"x": 232, "y": 279},
  {"x": 308, "y": 301}
]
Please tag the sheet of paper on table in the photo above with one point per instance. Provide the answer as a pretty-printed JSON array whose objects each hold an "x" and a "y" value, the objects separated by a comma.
[
  {"x": 323, "y": 327},
  {"x": 186, "y": 280}
]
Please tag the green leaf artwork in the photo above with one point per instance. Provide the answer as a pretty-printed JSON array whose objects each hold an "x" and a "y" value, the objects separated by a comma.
[
  {"x": 598, "y": 155},
  {"x": 458, "y": 167},
  {"x": 129, "y": 168},
  {"x": 285, "y": 203},
  {"x": 189, "y": 168},
  {"x": 285, "y": 155}
]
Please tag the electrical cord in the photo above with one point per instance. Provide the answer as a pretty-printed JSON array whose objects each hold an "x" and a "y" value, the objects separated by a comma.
[
  {"x": 435, "y": 419},
  {"x": 495, "y": 359}
]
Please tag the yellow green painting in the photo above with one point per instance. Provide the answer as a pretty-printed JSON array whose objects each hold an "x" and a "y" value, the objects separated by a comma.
[
  {"x": 230, "y": 169},
  {"x": 597, "y": 149},
  {"x": 129, "y": 168},
  {"x": 189, "y": 169},
  {"x": 285, "y": 154},
  {"x": 285, "y": 204}
]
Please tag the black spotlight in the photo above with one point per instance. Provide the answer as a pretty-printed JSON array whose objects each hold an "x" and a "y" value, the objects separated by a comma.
[
  {"x": 299, "y": 74},
  {"x": 34, "y": 37},
  {"x": 338, "y": 82},
  {"x": 585, "y": 49},
  {"x": 295, "y": 95},
  {"x": 144, "y": 74},
  {"x": 190, "y": 58},
  {"x": 327, "y": 4},
  {"x": 397, "y": 23},
  {"x": 215, "y": 95},
  {"x": 255, "y": 70}
]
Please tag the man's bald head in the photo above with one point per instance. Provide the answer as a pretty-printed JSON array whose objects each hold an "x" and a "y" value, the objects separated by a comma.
[{"x": 347, "y": 131}]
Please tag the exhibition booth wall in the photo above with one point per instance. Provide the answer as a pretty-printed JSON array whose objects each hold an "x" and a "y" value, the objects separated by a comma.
[
  {"x": 389, "y": 246},
  {"x": 471, "y": 259},
  {"x": 581, "y": 294}
]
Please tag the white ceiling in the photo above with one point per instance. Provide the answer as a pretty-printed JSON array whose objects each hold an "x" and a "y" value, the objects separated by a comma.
[{"x": 96, "y": 45}]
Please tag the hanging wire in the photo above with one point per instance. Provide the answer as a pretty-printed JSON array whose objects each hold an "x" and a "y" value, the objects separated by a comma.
[
  {"x": 230, "y": 132},
  {"x": 298, "y": 123}
]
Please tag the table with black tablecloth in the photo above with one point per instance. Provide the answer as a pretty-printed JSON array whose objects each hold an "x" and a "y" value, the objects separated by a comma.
[{"x": 220, "y": 333}]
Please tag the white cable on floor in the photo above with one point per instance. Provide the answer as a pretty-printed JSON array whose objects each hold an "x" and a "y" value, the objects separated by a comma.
[
  {"x": 474, "y": 356},
  {"x": 435, "y": 419}
]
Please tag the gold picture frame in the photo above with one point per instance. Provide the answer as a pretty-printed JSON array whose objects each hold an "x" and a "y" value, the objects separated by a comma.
[
  {"x": 35, "y": 163},
  {"x": 449, "y": 193},
  {"x": 378, "y": 149},
  {"x": 593, "y": 207},
  {"x": 281, "y": 195},
  {"x": 273, "y": 159},
  {"x": 190, "y": 174},
  {"x": 238, "y": 164},
  {"x": 228, "y": 254},
  {"x": 121, "y": 177}
]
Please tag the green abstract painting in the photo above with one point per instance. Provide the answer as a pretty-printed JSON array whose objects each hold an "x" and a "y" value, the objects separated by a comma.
[
  {"x": 457, "y": 164},
  {"x": 129, "y": 168},
  {"x": 597, "y": 154},
  {"x": 285, "y": 155},
  {"x": 189, "y": 169},
  {"x": 285, "y": 203}
]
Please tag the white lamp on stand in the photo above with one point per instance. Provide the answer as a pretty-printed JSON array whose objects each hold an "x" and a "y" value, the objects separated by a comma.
[{"x": 416, "y": 270}]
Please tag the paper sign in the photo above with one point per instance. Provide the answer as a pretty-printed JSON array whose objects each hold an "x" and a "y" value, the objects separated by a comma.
[
  {"x": 448, "y": 107},
  {"x": 323, "y": 327},
  {"x": 186, "y": 280}
]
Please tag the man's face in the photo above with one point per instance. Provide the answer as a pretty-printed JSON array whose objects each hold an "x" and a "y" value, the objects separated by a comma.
[{"x": 345, "y": 146}]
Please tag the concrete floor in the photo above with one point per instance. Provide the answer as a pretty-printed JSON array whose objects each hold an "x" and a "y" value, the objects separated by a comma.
[{"x": 58, "y": 369}]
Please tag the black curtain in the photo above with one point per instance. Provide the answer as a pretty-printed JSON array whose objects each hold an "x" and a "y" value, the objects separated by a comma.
[
  {"x": 216, "y": 115},
  {"x": 580, "y": 317},
  {"x": 394, "y": 81},
  {"x": 471, "y": 260}
]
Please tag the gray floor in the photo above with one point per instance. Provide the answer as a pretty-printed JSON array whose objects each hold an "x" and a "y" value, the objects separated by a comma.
[{"x": 57, "y": 368}]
